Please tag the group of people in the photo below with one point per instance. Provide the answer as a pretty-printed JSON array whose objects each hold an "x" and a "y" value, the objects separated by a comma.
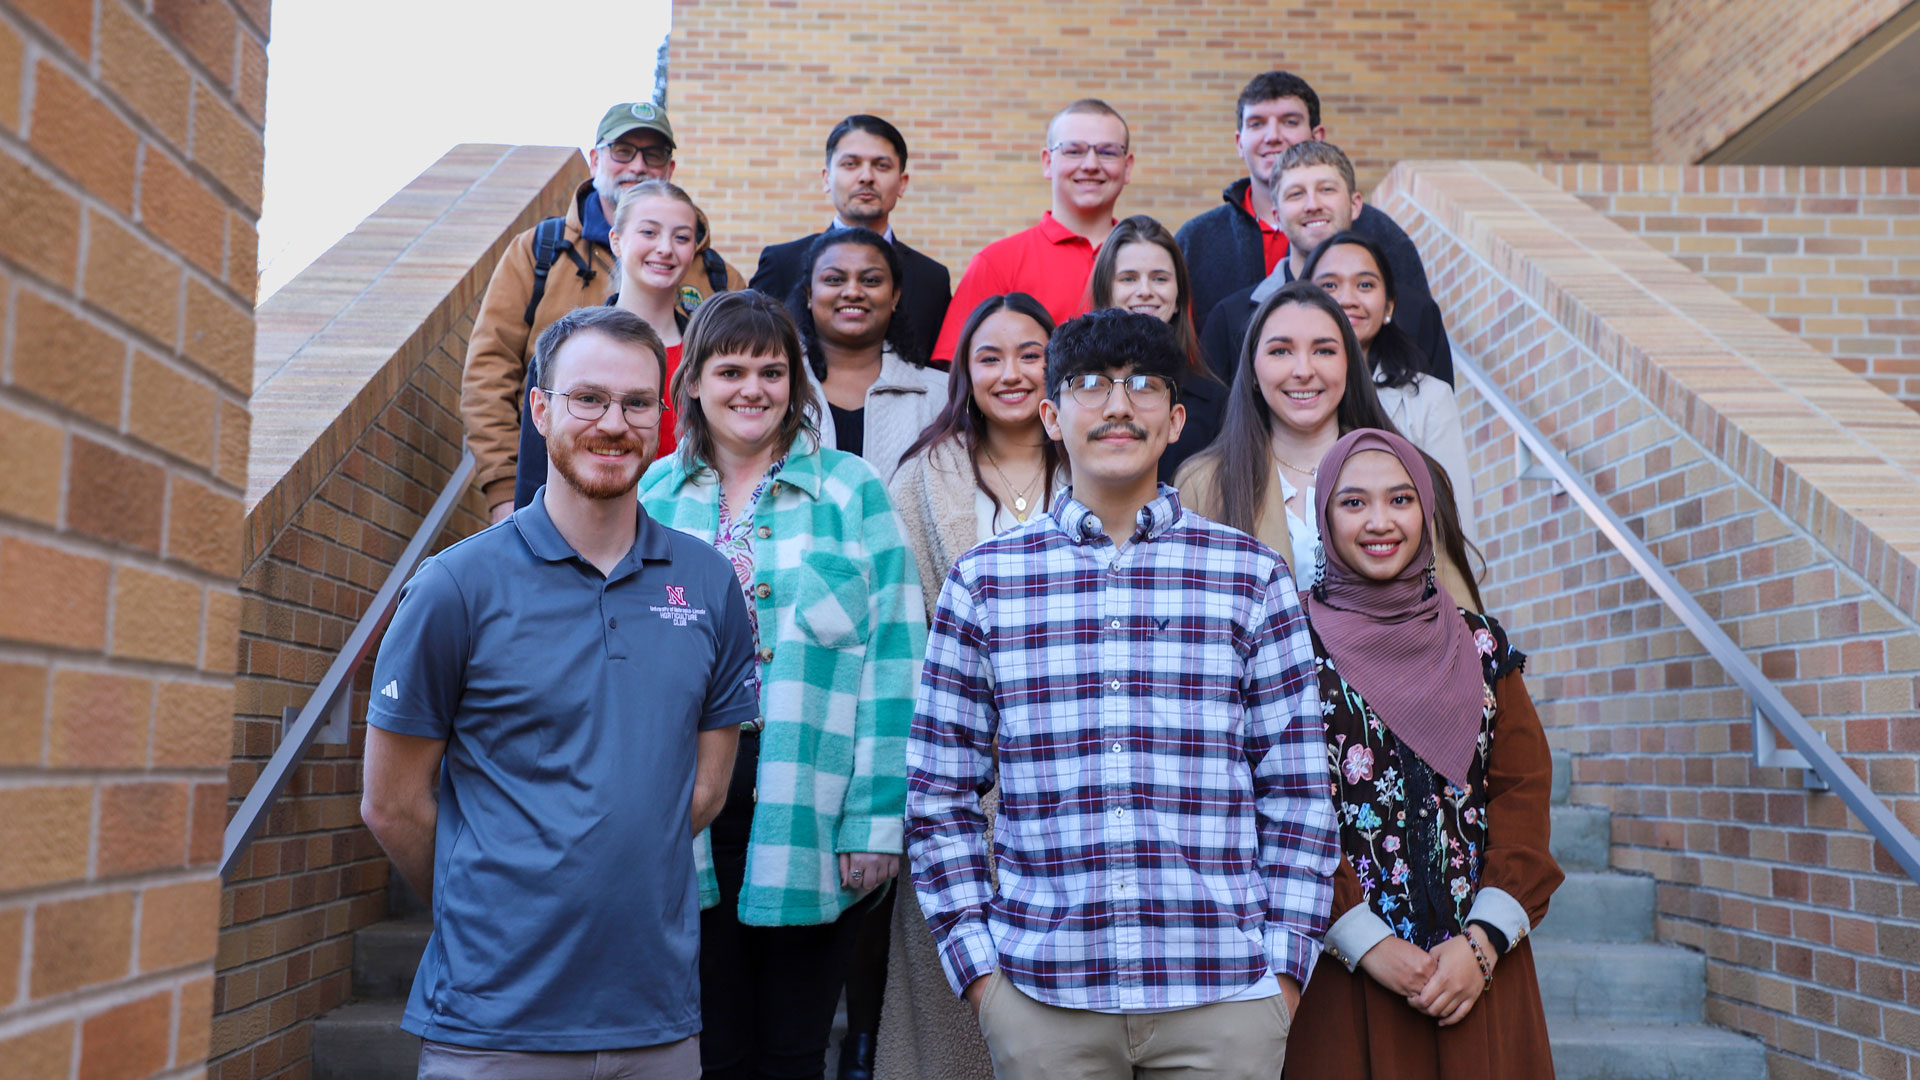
[{"x": 1080, "y": 668}]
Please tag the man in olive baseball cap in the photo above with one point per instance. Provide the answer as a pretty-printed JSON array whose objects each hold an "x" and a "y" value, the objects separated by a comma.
[
  {"x": 563, "y": 263},
  {"x": 633, "y": 116}
]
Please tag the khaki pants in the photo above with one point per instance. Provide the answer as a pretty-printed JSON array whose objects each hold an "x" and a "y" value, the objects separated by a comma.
[
  {"x": 1243, "y": 1040},
  {"x": 670, "y": 1061}
]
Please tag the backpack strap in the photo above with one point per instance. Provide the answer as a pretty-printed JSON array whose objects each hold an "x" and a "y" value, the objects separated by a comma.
[{"x": 549, "y": 243}]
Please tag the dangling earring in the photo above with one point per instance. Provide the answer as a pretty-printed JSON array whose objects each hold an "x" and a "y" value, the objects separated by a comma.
[
  {"x": 1319, "y": 564},
  {"x": 1433, "y": 586}
]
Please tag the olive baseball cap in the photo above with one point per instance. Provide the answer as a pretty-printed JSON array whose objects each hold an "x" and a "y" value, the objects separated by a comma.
[{"x": 632, "y": 116}]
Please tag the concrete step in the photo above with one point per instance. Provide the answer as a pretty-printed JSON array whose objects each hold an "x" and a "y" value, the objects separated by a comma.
[
  {"x": 1592, "y": 1051},
  {"x": 1582, "y": 837},
  {"x": 1599, "y": 907},
  {"x": 1562, "y": 777},
  {"x": 363, "y": 1041},
  {"x": 385, "y": 956},
  {"x": 1620, "y": 984}
]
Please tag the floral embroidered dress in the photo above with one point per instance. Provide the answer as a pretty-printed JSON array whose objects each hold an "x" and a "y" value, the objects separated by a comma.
[{"x": 1420, "y": 859}]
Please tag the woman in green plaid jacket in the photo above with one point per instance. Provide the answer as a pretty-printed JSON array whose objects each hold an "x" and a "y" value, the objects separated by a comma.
[{"x": 812, "y": 824}]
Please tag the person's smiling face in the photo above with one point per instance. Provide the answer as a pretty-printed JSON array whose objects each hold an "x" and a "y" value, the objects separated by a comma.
[
  {"x": 1301, "y": 363},
  {"x": 852, "y": 295},
  {"x": 1144, "y": 281},
  {"x": 1374, "y": 515}
]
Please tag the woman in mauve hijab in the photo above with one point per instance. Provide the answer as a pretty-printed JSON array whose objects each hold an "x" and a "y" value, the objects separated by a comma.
[{"x": 1441, "y": 776}]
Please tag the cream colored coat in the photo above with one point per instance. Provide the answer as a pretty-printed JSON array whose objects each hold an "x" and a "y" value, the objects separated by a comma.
[
  {"x": 899, "y": 405},
  {"x": 1426, "y": 412}
]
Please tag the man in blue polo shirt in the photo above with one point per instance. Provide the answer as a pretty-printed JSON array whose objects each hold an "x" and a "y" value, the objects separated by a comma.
[{"x": 576, "y": 676}]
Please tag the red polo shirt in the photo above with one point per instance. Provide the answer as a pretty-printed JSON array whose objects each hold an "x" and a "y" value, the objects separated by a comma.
[
  {"x": 1273, "y": 242},
  {"x": 1049, "y": 262}
]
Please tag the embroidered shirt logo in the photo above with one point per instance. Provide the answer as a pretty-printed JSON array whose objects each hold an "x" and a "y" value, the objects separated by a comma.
[
  {"x": 677, "y": 608},
  {"x": 391, "y": 690}
]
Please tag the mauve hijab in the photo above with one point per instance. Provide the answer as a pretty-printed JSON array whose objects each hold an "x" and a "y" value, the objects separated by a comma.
[{"x": 1409, "y": 654}]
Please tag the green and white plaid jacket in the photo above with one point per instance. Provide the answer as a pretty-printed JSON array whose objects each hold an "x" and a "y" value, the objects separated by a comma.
[{"x": 843, "y": 631}]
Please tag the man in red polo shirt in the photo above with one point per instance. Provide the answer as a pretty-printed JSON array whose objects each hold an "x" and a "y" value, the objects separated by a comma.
[{"x": 1089, "y": 161}]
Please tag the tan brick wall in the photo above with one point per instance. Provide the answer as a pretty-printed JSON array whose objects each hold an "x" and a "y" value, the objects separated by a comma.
[
  {"x": 1785, "y": 495},
  {"x": 1718, "y": 64},
  {"x": 357, "y": 430},
  {"x": 1832, "y": 255},
  {"x": 755, "y": 86},
  {"x": 127, "y": 279}
]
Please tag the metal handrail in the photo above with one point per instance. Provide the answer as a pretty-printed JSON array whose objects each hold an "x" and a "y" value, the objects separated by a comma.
[
  {"x": 338, "y": 680},
  {"x": 1771, "y": 712}
]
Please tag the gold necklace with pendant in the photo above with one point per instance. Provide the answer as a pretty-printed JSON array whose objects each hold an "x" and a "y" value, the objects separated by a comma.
[{"x": 1019, "y": 497}]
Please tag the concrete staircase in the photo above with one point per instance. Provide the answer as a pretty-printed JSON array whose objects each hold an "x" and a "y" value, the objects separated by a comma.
[{"x": 1619, "y": 1006}]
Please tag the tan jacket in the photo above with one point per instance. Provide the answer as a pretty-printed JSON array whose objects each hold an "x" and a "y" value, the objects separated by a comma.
[
  {"x": 934, "y": 495},
  {"x": 493, "y": 382},
  {"x": 1200, "y": 494}
]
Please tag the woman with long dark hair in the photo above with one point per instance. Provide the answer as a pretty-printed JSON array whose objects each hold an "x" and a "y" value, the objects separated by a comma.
[
  {"x": 1140, "y": 269},
  {"x": 1441, "y": 776},
  {"x": 1302, "y": 382},
  {"x": 812, "y": 825},
  {"x": 876, "y": 392},
  {"x": 1358, "y": 276},
  {"x": 985, "y": 465}
]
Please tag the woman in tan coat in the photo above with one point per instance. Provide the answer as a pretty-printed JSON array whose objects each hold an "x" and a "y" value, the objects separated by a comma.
[
  {"x": 1440, "y": 772},
  {"x": 982, "y": 467},
  {"x": 1302, "y": 383}
]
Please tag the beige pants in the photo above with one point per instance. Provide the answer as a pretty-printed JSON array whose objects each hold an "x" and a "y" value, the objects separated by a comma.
[
  {"x": 668, "y": 1061},
  {"x": 1244, "y": 1040}
]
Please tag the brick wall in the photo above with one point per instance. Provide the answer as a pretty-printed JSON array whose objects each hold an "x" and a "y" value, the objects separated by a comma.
[
  {"x": 1718, "y": 64},
  {"x": 1785, "y": 495},
  {"x": 357, "y": 429},
  {"x": 129, "y": 187},
  {"x": 1832, "y": 255},
  {"x": 756, "y": 85}
]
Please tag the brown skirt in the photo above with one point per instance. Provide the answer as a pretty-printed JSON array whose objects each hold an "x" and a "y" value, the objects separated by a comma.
[{"x": 1349, "y": 1027}]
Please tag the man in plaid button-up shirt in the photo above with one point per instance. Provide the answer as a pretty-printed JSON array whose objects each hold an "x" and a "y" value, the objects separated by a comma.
[{"x": 1166, "y": 842}]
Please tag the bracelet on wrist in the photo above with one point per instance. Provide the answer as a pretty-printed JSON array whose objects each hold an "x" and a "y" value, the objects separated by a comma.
[{"x": 1480, "y": 958}]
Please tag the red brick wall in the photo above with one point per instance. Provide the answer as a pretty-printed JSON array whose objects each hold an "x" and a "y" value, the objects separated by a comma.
[
  {"x": 1784, "y": 494},
  {"x": 357, "y": 431},
  {"x": 126, "y": 282},
  {"x": 1718, "y": 64},
  {"x": 1832, "y": 255},
  {"x": 756, "y": 86}
]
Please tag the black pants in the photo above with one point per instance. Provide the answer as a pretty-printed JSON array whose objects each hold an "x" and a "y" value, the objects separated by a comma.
[{"x": 767, "y": 993}]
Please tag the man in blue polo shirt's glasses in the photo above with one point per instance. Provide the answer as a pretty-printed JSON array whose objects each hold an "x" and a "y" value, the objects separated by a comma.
[{"x": 576, "y": 675}]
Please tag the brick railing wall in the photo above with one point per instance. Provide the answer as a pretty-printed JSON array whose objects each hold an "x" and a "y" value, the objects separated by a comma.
[
  {"x": 756, "y": 85},
  {"x": 357, "y": 429},
  {"x": 126, "y": 319},
  {"x": 1717, "y": 65},
  {"x": 1832, "y": 255},
  {"x": 1785, "y": 494}
]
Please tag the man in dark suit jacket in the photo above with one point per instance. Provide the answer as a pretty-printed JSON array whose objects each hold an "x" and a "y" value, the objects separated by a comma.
[{"x": 865, "y": 175}]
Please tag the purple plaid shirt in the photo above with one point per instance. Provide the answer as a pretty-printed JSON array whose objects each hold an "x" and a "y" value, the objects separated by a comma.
[{"x": 1165, "y": 836}]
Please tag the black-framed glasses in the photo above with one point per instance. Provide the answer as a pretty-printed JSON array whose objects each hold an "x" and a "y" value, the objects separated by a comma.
[
  {"x": 640, "y": 410},
  {"x": 656, "y": 157},
  {"x": 1108, "y": 153},
  {"x": 1144, "y": 391}
]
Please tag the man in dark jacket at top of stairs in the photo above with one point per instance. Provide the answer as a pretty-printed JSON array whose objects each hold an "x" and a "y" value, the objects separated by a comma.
[{"x": 1233, "y": 247}]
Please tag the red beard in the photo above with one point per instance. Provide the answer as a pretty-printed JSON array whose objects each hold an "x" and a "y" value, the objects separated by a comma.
[{"x": 595, "y": 479}]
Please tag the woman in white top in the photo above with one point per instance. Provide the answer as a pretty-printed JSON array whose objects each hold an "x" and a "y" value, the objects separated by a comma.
[
  {"x": 877, "y": 393},
  {"x": 1351, "y": 268},
  {"x": 983, "y": 467}
]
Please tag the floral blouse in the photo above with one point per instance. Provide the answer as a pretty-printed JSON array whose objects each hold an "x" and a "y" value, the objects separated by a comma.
[
  {"x": 734, "y": 539},
  {"x": 1416, "y": 841}
]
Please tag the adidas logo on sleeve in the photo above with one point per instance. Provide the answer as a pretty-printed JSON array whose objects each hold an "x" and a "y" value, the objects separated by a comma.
[{"x": 391, "y": 690}]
